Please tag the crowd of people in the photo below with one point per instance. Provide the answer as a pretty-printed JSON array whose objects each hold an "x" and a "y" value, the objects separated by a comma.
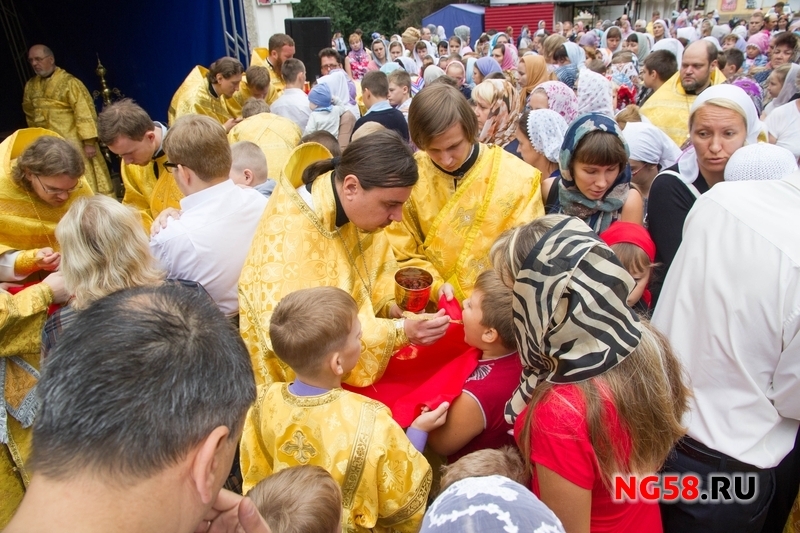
[{"x": 604, "y": 216}]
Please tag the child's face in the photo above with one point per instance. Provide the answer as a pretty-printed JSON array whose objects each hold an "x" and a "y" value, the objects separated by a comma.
[
  {"x": 752, "y": 51},
  {"x": 728, "y": 44},
  {"x": 395, "y": 52},
  {"x": 455, "y": 47},
  {"x": 649, "y": 78},
  {"x": 351, "y": 351},
  {"x": 774, "y": 85},
  {"x": 641, "y": 279},
  {"x": 472, "y": 316},
  {"x": 355, "y": 45},
  {"x": 397, "y": 94},
  {"x": 594, "y": 181}
]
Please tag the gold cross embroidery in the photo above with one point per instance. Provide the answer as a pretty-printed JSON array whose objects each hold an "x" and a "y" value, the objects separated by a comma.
[{"x": 299, "y": 448}]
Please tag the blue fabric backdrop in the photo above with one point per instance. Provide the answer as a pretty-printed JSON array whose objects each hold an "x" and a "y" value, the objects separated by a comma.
[{"x": 457, "y": 15}]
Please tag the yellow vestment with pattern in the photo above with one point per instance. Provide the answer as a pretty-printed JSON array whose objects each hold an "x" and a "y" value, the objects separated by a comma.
[
  {"x": 276, "y": 83},
  {"x": 26, "y": 222},
  {"x": 61, "y": 103},
  {"x": 448, "y": 230},
  {"x": 668, "y": 108},
  {"x": 193, "y": 97},
  {"x": 276, "y": 136},
  {"x": 385, "y": 481},
  {"x": 150, "y": 193},
  {"x": 298, "y": 247},
  {"x": 22, "y": 319}
]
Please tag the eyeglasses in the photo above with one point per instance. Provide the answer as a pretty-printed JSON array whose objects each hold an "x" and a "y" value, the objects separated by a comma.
[
  {"x": 634, "y": 172},
  {"x": 50, "y": 190},
  {"x": 169, "y": 166}
]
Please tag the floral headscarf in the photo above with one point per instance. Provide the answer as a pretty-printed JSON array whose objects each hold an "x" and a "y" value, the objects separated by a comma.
[
  {"x": 536, "y": 73},
  {"x": 594, "y": 93},
  {"x": 546, "y": 130},
  {"x": 560, "y": 99},
  {"x": 504, "y": 112},
  {"x": 753, "y": 90},
  {"x": 599, "y": 214}
]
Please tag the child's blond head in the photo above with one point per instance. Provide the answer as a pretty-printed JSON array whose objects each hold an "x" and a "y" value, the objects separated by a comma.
[{"x": 506, "y": 461}]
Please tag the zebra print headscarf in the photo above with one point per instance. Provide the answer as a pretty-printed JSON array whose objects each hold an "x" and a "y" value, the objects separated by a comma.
[{"x": 570, "y": 313}]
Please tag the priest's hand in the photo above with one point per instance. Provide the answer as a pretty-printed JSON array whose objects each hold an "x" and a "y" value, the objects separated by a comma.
[
  {"x": 230, "y": 123},
  {"x": 422, "y": 332},
  {"x": 161, "y": 220},
  {"x": 395, "y": 311},
  {"x": 47, "y": 259},
  {"x": 90, "y": 150},
  {"x": 56, "y": 283},
  {"x": 448, "y": 291},
  {"x": 232, "y": 513}
]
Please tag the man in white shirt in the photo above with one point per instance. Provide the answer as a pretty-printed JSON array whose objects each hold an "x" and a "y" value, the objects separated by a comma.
[
  {"x": 730, "y": 306},
  {"x": 293, "y": 103},
  {"x": 210, "y": 240}
]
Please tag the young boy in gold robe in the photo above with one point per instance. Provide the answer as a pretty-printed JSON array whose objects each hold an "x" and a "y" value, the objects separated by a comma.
[{"x": 384, "y": 478}]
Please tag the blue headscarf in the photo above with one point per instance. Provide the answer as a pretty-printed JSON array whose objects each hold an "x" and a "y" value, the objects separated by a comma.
[
  {"x": 468, "y": 71},
  {"x": 320, "y": 96},
  {"x": 487, "y": 65},
  {"x": 600, "y": 213}
]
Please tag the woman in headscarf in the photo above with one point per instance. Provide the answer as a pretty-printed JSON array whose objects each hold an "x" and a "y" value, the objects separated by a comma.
[
  {"x": 660, "y": 30},
  {"x": 595, "y": 179},
  {"x": 540, "y": 134},
  {"x": 565, "y": 71},
  {"x": 576, "y": 55},
  {"x": 651, "y": 151},
  {"x": 441, "y": 34},
  {"x": 594, "y": 94},
  {"x": 749, "y": 86},
  {"x": 673, "y": 45},
  {"x": 782, "y": 123},
  {"x": 602, "y": 393},
  {"x": 462, "y": 32},
  {"x": 556, "y": 96},
  {"x": 639, "y": 45},
  {"x": 589, "y": 42},
  {"x": 612, "y": 39},
  {"x": 498, "y": 108},
  {"x": 469, "y": 72},
  {"x": 432, "y": 73},
  {"x": 380, "y": 54},
  {"x": 688, "y": 33},
  {"x": 434, "y": 33},
  {"x": 722, "y": 119},
  {"x": 506, "y": 57},
  {"x": 782, "y": 85},
  {"x": 531, "y": 71},
  {"x": 483, "y": 67}
]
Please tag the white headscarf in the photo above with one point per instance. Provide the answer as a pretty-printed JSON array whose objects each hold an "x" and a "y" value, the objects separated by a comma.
[
  {"x": 546, "y": 130},
  {"x": 594, "y": 93},
  {"x": 432, "y": 73},
  {"x": 787, "y": 91},
  {"x": 687, "y": 164},
  {"x": 673, "y": 45},
  {"x": 761, "y": 161},
  {"x": 649, "y": 144},
  {"x": 340, "y": 90},
  {"x": 713, "y": 40},
  {"x": 576, "y": 54},
  {"x": 688, "y": 33}
]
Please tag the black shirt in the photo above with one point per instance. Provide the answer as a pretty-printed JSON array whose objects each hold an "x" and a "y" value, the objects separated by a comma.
[
  {"x": 391, "y": 119},
  {"x": 668, "y": 205}
]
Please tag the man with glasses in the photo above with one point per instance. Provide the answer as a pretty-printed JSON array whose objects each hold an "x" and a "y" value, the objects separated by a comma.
[
  {"x": 333, "y": 74},
  {"x": 58, "y": 101}
]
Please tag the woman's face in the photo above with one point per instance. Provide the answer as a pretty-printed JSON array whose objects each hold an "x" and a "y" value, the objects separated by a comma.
[
  {"x": 594, "y": 181},
  {"x": 355, "y": 45},
  {"x": 613, "y": 42},
  {"x": 455, "y": 47},
  {"x": 395, "y": 52},
  {"x": 774, "y": 85},
  {"x": 658, "y": 30},
  {"x": 781, "y": 55},
  {"x": 379, "y": 50},
  {"x": 477, "y": 77},
  {"x": 538, "y": 100},
  {"x": 530, "y": 155},
  {"x": 53, "y": 190},
  {"x": 633, "y": 46},
  {"x": 782, "y": 23},
  {"x": 502, "y": 40},
  {"x": 481, "y": 108},
  {"x": 522, "y": 74},
  {"x": 706, "y": 28},
  {"x": 716, "y": 134},
  {"x": 497, "y": 54}
]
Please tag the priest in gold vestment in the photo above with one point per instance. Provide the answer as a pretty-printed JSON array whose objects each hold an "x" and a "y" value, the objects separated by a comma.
[
  {"x": 467, "y": 195},
  {"x": 280, "y": 48},
  {"x": 130, "y": 133},
  {"x": 205, "y": 90},
  {"x": 255, "y": 84},
  {"x": 57, "y": 101}
]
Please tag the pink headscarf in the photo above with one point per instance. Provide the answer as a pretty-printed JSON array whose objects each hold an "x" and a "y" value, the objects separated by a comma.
[
  {"x": 510, "y": 57},
  {"x": 560, "y": 99},
  {"x": 761, "y": 40}
]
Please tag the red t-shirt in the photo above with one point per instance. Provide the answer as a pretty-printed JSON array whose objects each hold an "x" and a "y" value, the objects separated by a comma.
[
  {"x": 492, "y": 384},
  {"x": 560, "y": 442}
]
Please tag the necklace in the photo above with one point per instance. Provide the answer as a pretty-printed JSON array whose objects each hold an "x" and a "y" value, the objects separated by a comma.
[
  {"x": 36, "y": 211},
  {"x": 367, "y": 284}
]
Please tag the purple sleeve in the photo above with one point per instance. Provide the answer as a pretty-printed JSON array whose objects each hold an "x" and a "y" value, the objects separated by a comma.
[{"x": 418, "y": 438}]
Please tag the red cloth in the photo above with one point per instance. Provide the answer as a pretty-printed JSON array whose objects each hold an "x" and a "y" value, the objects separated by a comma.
[
  {"x": 631, "y": 233},
  {"x": 418, "y": 376},
  {"x": 560, "y": 442},
  {"x": 14, "y": 290}
]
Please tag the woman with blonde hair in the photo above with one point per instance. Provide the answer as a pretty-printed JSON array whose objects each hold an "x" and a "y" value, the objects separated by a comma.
[
  {"x": 602, "y": 392},
  {"x": 498, "y": 108},
  {"x": 103, "y": 251}
]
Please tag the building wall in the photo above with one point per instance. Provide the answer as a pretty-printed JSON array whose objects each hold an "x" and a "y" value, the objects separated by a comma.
[{"x": 266, "y": 20}]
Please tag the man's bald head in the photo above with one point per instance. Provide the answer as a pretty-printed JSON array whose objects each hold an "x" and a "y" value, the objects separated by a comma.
[
  {"x": 41, "y": 60},
  {"x": 698, "y": 62}
]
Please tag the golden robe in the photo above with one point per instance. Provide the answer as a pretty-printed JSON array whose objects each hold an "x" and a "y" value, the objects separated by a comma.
[
  {"x": 276, "y": 83},
  {"x": 26, "y": 222},
  {"x": 448, "y": 231},
  {"x": 22, "y": 319},
  {"x": 61, "y": 103},
  {"x": 297, "y": 247},
  {"x": 193, "y": 97},
  {"x": 276, "y": 136},
  {"x": 668, "y": 108},
  {"x": 384, "y": 480},
  {"x": 147, "y": 193}
]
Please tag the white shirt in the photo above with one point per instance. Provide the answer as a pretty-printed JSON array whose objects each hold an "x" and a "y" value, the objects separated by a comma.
[
  {"x": 7, "y": 261},
  {"x": 211, "y": 240},
  {"x": 730, "y": 306},
  {"x": 292, "y": 104},
  {"x": 783, "y": 123}
]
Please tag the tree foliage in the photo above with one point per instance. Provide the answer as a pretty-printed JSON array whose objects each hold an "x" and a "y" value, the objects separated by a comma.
[{"x": 347, "y": 15}]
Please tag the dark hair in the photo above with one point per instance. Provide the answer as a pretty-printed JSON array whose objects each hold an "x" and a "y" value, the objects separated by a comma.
[
  {"x": 560, "y": 54},
  {"x": 785, "y": 38},
  {"x": 722, "y": 60},
  {"x": 291, "y": 68},
  {"x": 376, "y": 83},
  {"x": 123, "y": 117},
  {"x": 734, "y": 56},
  {"x": 326, "y": 139},
  {"x": 138, "y": 379},
  {"x": 599, "y": 148},
  {"x": 367, "y": 159},
  {"x": 501, "y": 47},
  {"x": 633, "y": 38},
  {"x": 257, "y": 77},
  {"x": 278, "y": 41},
  {"x": 614, "y": 33},
  {"x": 330, "y": 52},
  {"x": 494, "y": 76},
  {"x": 227, "y": 66},
  {"x": 662, "y": 62},
  {"x": 443, "y": 44}
]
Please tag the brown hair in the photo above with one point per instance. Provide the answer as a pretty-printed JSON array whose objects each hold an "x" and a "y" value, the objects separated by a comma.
[
  {"x": 551, "y": 44},
  {"x": 401, "y": 78},
  {"x": 366, "y": 159},
  {"x": 48, "y": 156},
  {"x": 353, "y": 36},
  {"x": 629, "y": 114},
  {"x": 123, "y": 117},
  {"x": 505, "y": 461},
  {"x": 599, "y": 148},
  {"x": 331, "y": 52},
  {"x": 278, "y": 41},
  {"x": 326, "y": 139},
  {"x": 291, "y": 68},
  {"x": 199, "y": 142},
  {"x": 246, "y": 155},
  {"x": 254, "y": 106},
  {"x": 299, "y": 499},
  {"x": 786, "y": 38},
  {"x": 614, "y": 33},
  {"x": 394, "y": 44},
  {"x": 257, "y": 77},
  {"x": 376, "y": 83},
  {"x": 227, "y": 66},
  {"x": 662, "y": 62},
  {"x": 496, "y": 306},
  {"x": 632, "y": 257},
  {"x": 597, "y": 65},
  {"x": 309, "y": 324},
  {"x": 436, "y": 109}
]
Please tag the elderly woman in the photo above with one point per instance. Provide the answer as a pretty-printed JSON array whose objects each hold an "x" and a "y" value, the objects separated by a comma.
[
  {"x": 540, "y": 134},
  {"x": 39, "y": 179},
  {"x": 601, "y": 392},
  {"x": 722, "y": 119},
  {"x": 497, "y": 107}
]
